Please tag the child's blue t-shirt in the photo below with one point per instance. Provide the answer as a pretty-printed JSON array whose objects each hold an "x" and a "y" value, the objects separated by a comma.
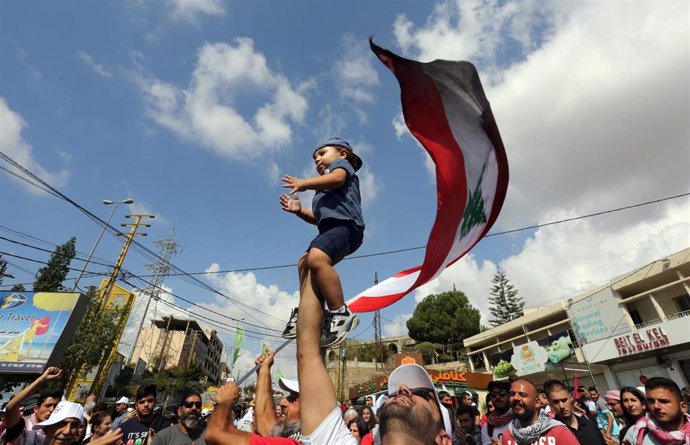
[{"x": 343, "y": 203}]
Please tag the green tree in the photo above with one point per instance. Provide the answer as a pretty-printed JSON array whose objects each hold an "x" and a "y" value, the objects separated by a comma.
[
  {"x": 178, "y": 379},
  {"x": 446, "y": 318},
  {"x": 504, "y": 304},
  {"x": 50, "y": 277},
  {"x": 18, "y": 288},
  {"x": 93, "y": 338}
]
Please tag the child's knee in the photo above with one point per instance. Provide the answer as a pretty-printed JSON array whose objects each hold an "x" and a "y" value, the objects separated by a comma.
[{"x": 316, "y": 259}]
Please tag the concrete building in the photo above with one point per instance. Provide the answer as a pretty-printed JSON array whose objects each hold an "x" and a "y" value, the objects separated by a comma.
[
  {"x": 176, "y": 342},
  {"x": 634, "y": 326}
]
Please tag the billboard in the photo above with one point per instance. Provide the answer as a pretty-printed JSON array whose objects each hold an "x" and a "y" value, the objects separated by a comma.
[
  {"x": 36, "y": 327},
  {"x": 535, "y": 356},
  {"x": 598, "y": 316}
]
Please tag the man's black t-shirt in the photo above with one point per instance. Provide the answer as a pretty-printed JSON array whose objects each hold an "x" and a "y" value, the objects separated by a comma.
[
  {"x": 587, "y": 431},
  {"x": 135, "y": 432}
]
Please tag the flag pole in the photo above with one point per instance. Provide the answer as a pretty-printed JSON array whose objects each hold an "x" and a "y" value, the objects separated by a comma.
[{"x": 253, "y": 370}]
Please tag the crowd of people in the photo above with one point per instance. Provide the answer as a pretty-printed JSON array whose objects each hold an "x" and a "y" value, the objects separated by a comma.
[
  {"x": 51, "y": 420},
  {"x": 516, "y": 412}
]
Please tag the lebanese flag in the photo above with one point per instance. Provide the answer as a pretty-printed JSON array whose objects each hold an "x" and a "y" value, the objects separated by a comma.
[{"x": 446, "y": 110}]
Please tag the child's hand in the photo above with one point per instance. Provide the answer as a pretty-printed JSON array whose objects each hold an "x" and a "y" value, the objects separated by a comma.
[
  {"x": 290, "y": 204},
  {"x": 292, "y": 183}
]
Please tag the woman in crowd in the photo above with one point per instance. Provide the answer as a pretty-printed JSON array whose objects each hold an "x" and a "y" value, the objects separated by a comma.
[
  {"x": 489, "y": 411},
  {"x": 634, "y": 406},
  {"x": 360, "y": 431},
  {"x": 368, "y": 416},
  {"x": 100, "y": 425}
]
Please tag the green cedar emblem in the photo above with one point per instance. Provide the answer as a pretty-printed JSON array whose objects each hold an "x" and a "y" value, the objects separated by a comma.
[{"x": 474, "y": 212}]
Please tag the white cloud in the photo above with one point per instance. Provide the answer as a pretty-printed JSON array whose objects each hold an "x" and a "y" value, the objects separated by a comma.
[
  {"x": 397, "y": 326},
  {"x": 190, "y": 11},
  {"x": 369, "y": 186},
  {"x": 90, "y": 63},
  {"x": 355, "y": 73},
  {"x": 205, "y": 113},
  {"x": 141, "y": 207},
  {"x": 562, "y": 260},
  {"x": 14, "y": 145},
  {"x": 586, "y": 125},
  {"x": 471, "y": 29}
]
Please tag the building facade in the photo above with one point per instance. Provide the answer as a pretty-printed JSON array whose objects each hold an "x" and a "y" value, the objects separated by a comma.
[
  {"x": 175, "y": 342},
  {"x": 618, "y": 334}
]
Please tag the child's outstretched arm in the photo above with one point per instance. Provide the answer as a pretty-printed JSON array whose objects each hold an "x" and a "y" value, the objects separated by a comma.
[
  {"x": 329, "y": 181},
  {"x": 291, "y": 204}
]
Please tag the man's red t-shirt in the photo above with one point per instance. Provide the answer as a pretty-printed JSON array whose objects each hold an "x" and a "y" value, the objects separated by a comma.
[
  {"x": 558, "y": 435},
  {"x": 258, "y": 440}
]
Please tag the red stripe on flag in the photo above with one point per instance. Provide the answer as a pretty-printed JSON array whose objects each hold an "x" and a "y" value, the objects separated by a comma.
[{"x": 425, "y": 116}]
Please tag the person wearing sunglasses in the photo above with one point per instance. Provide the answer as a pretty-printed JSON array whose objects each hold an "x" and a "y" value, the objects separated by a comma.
[
  {"x": 497, "y": 422},
  {"x": 413, "y": 413},
  {"x": 146, "y": 422},
  {"x": 190, "y": 429}
]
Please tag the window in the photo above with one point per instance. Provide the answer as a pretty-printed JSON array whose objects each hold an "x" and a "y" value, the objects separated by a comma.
[
  {"x": 683, "y": 303},
  {"x": 635, "y": 317}
]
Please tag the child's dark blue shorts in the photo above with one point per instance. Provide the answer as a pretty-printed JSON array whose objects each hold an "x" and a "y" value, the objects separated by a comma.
[{"x": 338, "y": 238}]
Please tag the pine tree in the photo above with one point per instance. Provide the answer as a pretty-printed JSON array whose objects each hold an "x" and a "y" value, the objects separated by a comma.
[
  {"x": 505, "y": 305},
  {"x": 50, "y": 277}
]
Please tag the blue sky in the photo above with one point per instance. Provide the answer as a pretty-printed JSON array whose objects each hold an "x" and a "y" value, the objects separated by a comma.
[{"x": 195, "y": 108}]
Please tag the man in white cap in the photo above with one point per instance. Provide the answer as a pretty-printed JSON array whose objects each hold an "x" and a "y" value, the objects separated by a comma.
[
  {"x": 121, "y": 412},
  {"x": 413, "y": 413}
]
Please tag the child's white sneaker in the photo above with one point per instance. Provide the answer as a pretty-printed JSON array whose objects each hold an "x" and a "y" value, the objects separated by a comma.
[
  {"x": 290, "y": 331},
  {"x": 336, "y": 326}
]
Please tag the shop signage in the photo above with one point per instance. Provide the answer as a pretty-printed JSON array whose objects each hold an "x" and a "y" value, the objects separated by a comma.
[
  {"x": 597, "y": 317},
  {"x": 35, "y": 328},
  {"x": 640, "y": 341},
  {"x": 529, "y": 358}
]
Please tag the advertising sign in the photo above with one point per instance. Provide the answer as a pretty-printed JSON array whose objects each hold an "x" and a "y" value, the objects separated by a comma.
[
  {"x": 597, "y": 316},
  {"x": 529, "y": 358},
  {"x": 539, "y": 355},
  {"x": 35, "y": 328}
]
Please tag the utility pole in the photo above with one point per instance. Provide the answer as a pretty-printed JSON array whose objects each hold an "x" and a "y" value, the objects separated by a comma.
[
  {"x": 161, "y": 269},
  {"x": 378, "y": 345},
  {"x": 164, "y": 345},
  {"x": 103, "y": 298}
]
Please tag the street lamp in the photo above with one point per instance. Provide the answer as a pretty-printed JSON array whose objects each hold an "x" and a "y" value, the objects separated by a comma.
[{"x": 100, "y": 235}]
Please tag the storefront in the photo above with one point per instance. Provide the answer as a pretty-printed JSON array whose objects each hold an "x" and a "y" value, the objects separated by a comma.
[{"x": 660, "y": 349}]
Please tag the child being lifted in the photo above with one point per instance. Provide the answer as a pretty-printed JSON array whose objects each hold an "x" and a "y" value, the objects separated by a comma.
[{"x": 337, "y": 212}]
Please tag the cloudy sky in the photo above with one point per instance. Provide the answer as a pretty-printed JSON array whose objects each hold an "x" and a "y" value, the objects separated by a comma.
[{"x": 195, "y": 108}]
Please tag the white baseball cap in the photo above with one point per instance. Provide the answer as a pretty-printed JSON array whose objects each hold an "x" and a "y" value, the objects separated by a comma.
[
  {"x": 124, "y": 400},
  {"x": 289, "y": 385},
  {"x": 415, "y": 376},
  {"x": 63, "y": 410}
]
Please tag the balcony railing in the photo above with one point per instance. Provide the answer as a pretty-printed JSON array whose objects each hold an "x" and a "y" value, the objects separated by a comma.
[{"x": 662, "y": 319}]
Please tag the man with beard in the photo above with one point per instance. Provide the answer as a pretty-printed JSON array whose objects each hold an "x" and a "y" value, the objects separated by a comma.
[
  {"x": 413, "y": 413},
  {"x": 287, "y": 424},
  {"x": 497, "y": 422},
  {"x": 531, "y": 425},
  {"x": 667, "y": 421},
  {"x": 561, "y": 403},
  {"x": 189, "y": 430},
  {"x": 136, "y": 430},
  {"x": 467, "y": 428}
]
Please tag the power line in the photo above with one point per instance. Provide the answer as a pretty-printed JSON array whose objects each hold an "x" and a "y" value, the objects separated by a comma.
[
  {"x": 408, "y": 249},
  {"x": 138, "y": 246},
  {"x": 158, "y": 288}
]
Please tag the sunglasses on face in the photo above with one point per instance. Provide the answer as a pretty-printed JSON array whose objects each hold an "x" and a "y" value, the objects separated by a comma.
[
  {"x": 189, "y": 404},
  {"x": 501, "y": 393}
]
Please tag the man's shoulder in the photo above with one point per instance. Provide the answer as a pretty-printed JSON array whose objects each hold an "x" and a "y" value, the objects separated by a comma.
[{"x": 562, "y": 435}]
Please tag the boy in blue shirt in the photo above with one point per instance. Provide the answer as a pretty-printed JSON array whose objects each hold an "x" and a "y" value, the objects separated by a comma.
[{"x": 337, "y": 212}]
